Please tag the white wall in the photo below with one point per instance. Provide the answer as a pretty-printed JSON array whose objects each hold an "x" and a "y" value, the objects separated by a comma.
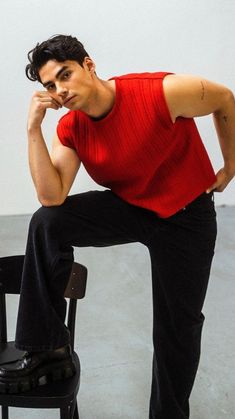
[{"x": 187, "y": 36}]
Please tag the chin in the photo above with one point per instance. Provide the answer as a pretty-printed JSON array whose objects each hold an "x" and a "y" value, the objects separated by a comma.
[{"x": 72, "y": 107}]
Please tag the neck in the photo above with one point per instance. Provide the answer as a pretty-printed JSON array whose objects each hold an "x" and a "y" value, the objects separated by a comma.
[{"x": 103, "y": 99}]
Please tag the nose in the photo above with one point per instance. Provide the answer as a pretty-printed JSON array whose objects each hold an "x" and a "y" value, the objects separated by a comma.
[{"x": 61, "y": 90}]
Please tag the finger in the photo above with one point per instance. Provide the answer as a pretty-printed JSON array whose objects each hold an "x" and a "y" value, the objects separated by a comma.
[
  {"x": 212, "y": 188},
  {"x": 50, "y": 99},
  {"x": 44, "y": 96},
  {"x": 53, "y": 106},
  {"x": 50, "y": 102},
  {"x": 47, "y": 102},
  {"x": 38, "y": 94},
  {"x": 217, "y": 187}
]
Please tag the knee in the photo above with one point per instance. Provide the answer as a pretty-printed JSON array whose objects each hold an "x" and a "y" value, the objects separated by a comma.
[{"x": 46, "y": 218}]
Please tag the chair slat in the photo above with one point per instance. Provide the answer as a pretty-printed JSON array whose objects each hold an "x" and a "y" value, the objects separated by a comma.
[
  {"x": 3, "y": 319},
  {"x": 11, "y": 268},
  {"x": 76, "y": 287}
]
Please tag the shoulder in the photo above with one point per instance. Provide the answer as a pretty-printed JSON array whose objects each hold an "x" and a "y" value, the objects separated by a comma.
[
  {"x": 191, "y": 96},
  {"x": 160, "y": 75},
  {"x": 67, "y": 118},
  {"x": 69, "y": 121},
  {"x": 66, "y": 128}
]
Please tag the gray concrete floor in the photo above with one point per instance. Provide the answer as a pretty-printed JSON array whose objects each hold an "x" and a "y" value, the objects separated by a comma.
[{"x": 114, "y": 329}]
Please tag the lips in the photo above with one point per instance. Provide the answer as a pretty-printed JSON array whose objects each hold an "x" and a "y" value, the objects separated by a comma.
[{"x": 68, "y": 99}]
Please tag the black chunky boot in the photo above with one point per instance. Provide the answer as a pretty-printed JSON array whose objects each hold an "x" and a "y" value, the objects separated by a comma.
[{"x": 36, "y": 368}]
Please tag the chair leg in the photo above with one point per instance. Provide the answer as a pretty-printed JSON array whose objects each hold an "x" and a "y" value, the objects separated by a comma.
[
  {"x": 75, "y": 414},
  {"x": 5, "y": 414},
  {"x": 65, "y": 412}
]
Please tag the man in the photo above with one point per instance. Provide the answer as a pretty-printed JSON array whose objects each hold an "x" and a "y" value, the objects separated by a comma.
[{"x": 136, "y": 136}]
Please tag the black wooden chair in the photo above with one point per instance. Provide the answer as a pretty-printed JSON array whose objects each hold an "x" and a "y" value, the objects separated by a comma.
[{"x": 60, "y": 394}]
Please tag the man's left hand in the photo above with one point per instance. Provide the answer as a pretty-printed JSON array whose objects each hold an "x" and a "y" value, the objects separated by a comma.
[{"x": 224, "y": 176}]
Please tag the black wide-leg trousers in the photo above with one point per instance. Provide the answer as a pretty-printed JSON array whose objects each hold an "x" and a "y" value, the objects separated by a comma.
[{"x": 181, "y": 249}]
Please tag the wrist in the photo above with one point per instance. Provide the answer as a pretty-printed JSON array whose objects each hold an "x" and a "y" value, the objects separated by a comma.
[
  {"x": 229, "y": 168},
  {"x": 33, "y": 129}
]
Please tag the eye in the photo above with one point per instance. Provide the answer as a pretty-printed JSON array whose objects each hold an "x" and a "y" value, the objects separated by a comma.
[
  {"x": 50, "y": 87},
  {"x": 66, "y": 75}
]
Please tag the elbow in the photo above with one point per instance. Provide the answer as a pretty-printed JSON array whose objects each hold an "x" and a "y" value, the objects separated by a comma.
[
  {"x": 229, "y": 97},
  {"x": 227, "y": 102},
  {"x": 49, "y": 202}
]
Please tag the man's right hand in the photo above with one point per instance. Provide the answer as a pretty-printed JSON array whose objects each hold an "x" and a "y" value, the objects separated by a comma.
[{"x": 41, "y": 101}]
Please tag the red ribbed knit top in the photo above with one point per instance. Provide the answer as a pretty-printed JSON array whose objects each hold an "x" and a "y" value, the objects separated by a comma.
[{"x": 137, "y": 151}]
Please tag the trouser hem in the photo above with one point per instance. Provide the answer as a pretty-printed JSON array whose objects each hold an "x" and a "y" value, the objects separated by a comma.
[{"x": 41, "y": 348}]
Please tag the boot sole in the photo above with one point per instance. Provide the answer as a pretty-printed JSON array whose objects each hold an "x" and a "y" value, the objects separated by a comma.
[{"x": 47, "y": 373}]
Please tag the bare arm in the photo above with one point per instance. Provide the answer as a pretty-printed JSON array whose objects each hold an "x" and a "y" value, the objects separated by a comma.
[
  {"x": 190, "y": 96},
  {"x": 53, "y": 174}
]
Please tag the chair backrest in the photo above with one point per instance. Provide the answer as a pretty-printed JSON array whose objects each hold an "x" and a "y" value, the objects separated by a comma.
[{"x": 11, "y": 268}]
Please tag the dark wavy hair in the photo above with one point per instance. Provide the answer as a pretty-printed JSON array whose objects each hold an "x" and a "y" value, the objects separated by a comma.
[{"x": 59, "y": 48}]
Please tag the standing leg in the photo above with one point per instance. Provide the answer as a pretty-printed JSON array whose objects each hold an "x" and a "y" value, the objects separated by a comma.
[{"x": 181, "y": 255}]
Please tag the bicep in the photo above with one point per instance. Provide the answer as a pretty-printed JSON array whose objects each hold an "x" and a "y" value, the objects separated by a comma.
[
  {"x": 66, "y": 162},
  {"x": 192, "y": 96}
]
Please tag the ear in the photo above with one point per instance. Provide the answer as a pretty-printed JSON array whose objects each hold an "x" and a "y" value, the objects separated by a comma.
[{"x": 89, "y": 64}]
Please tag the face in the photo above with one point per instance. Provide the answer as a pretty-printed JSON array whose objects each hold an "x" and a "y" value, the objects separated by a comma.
[{"x": 70, "y": 84}]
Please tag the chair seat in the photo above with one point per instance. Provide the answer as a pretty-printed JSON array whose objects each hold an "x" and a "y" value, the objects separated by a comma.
[
  {"x": 50, "y": 395},
  {"x": 8, "y": 352}
]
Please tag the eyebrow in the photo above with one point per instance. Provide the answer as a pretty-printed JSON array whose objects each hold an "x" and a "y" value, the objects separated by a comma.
[{"x": 65, "y": 67}]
